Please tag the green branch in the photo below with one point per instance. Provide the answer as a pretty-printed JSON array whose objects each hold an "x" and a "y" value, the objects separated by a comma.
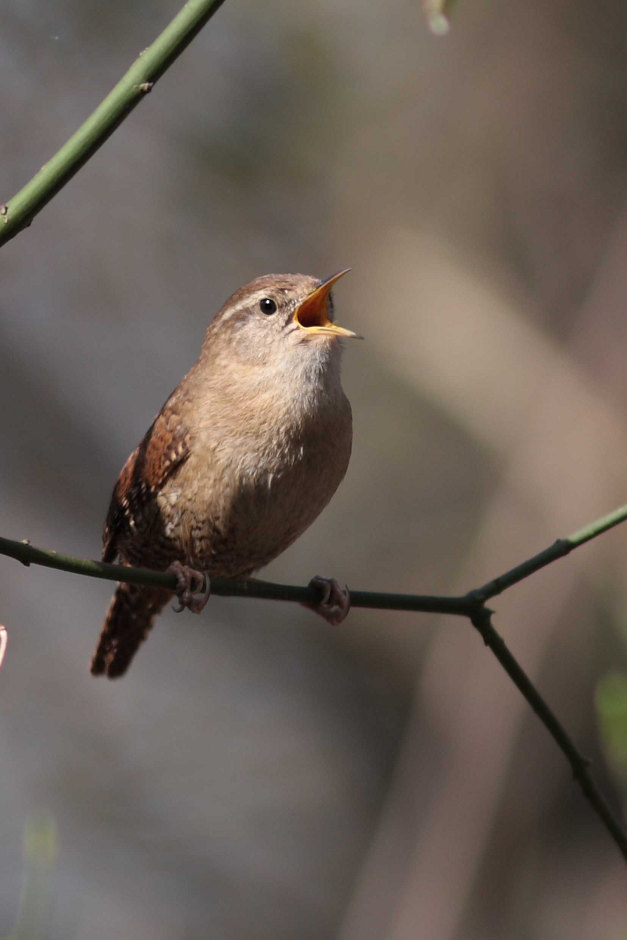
[
  {"x": 465, "y": 606},
  {"x": 557, "y": 550},
  {"x": 471, "y": 605},
  {"x": 21, "y": 209},
  {"x": 265, "y": 590}
]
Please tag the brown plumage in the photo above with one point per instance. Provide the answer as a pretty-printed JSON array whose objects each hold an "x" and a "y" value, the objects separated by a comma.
[{"x": 243, "y": 456}]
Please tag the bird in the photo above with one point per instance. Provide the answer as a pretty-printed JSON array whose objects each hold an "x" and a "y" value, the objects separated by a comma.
[{"x": 242, "y": 457}]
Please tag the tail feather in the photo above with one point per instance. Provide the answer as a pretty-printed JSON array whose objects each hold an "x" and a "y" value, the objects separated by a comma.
[{"x": 128, "y": 621}]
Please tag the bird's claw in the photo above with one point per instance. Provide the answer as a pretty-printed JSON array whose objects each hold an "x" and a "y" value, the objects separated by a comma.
[
  {"x": 193, "y": 587},
  {"x": 335, "y": 602}
]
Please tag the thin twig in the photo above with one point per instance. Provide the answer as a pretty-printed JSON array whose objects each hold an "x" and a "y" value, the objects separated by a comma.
[
  {"x": 580, "y": 765},
  {"x": 557, "y": 550},
  {"x": 27, "y": 554},
  {"x": 465, "y": 606},
  {"x": 21, "y": 209},
  {"x": 471, "y": 605}
]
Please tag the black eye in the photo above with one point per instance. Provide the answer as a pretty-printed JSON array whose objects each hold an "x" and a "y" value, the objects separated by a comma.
[{"x": 267, "y": 305}]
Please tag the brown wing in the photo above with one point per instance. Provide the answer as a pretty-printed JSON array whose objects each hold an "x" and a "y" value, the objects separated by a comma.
[{"x": 165, "y": 446}]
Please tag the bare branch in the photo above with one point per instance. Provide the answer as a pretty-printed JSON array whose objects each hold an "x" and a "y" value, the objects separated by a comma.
[
  {"x": 580, "y": 765},
  {"x": 558, "y": 549},
  {"x": 471, "y": 605},
  {"x": 21, "y": 209}
]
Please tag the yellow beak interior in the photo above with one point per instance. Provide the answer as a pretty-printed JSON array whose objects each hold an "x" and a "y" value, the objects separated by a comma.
[{"x": 312, "y": 313}]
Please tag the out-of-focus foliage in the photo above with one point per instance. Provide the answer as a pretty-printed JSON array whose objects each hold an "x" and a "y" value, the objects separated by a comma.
[
  {"x": 611, "y": 702},
  {"x": 39, "y": 856},
  {"x": 438, "y": 13}
]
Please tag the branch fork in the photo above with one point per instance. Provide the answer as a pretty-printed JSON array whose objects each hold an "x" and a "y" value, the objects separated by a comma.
[{"x": 471, "y": 605}]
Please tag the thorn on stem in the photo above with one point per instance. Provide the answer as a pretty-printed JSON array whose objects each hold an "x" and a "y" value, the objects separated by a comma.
[{"x": 25, "y": 561}]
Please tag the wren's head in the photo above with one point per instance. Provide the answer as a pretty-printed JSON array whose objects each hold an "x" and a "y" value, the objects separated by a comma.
[{"x": 280, "y": 322}]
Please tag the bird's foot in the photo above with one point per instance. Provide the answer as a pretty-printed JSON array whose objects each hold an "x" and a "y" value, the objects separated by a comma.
[
  {"x": 193, "y": 587},
  {"x": 335, "y": 602}
]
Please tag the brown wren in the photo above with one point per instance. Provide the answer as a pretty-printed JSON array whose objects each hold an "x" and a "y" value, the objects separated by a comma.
[{"x": 243, "y": 456}]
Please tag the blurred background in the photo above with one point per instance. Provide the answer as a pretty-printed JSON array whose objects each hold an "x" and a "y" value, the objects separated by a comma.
[{"x": 259, "y": 775}]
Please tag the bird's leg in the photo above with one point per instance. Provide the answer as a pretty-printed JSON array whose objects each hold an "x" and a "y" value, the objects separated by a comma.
[
  {"x": 193, "y": 587},
  {"x": 335, "y": 602}
]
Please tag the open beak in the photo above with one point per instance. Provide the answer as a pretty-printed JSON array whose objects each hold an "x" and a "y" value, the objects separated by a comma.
[{"x": 312, "y": 313}]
